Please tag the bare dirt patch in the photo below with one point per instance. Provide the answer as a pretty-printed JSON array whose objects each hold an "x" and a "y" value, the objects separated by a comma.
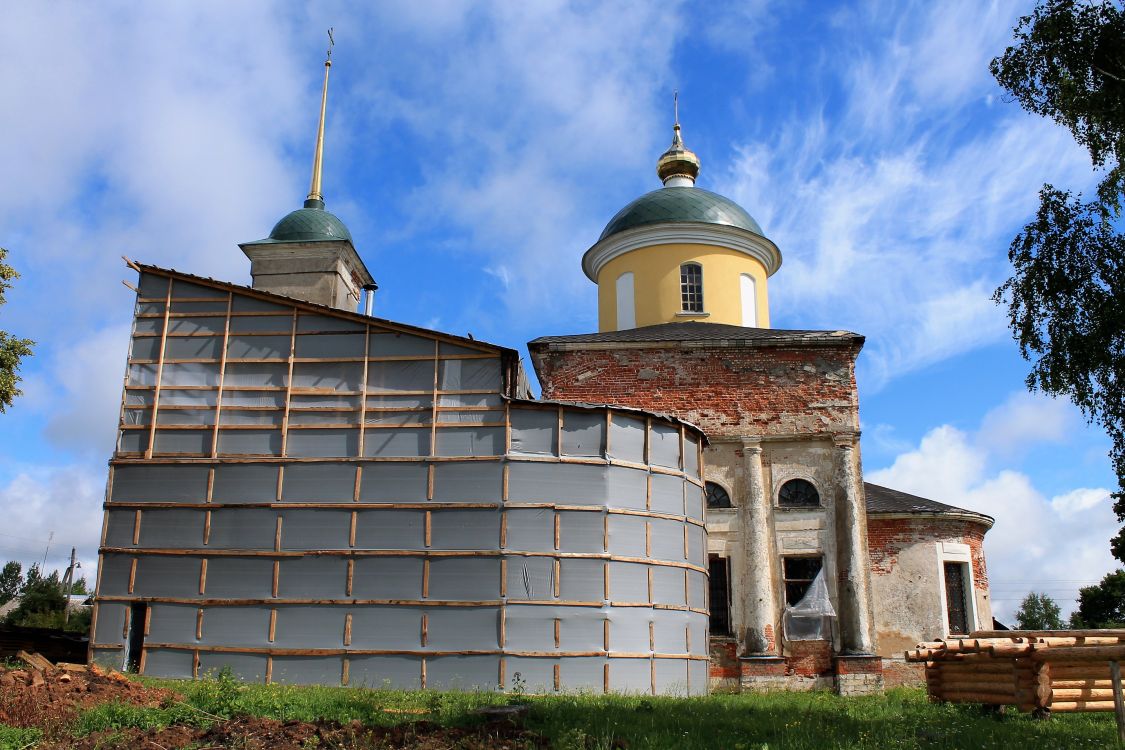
[
  {"x": 49, "y": 700},
  {"x": 249, "y": 733}
]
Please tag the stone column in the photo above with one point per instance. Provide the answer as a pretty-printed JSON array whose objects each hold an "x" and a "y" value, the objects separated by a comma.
[
  {"x": 854, "y": 561},
  {"x": 758, "y": 544}
]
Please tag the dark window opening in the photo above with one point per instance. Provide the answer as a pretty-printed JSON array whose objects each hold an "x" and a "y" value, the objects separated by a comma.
[
  {"x": 798, "y": 493},
  {"x": 955, "y": 598},
  {"x": 718, "y": 594},
  {"x": 717, "y": 497},
  {"x": 691, "y": 287},
  {"x": 799, "y": 574},
  {"x": 138, "y": 613}
]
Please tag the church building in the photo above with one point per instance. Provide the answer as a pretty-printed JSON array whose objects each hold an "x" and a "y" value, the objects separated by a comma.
[{"x": 303, "y": 492}]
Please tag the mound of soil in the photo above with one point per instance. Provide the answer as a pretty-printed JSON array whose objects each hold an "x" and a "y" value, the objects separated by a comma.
[
  {"x": 249, "y": 733},
  {"x": 49, "y": 700}
]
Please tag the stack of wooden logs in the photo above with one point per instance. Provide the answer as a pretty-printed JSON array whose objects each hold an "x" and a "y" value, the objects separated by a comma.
[{"x": 1038, "y": 671}]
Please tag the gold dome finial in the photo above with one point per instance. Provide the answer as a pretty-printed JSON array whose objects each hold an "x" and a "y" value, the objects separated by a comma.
[
  {"x": 315, "y": 196},
  {"x": 678, "y": 166}
]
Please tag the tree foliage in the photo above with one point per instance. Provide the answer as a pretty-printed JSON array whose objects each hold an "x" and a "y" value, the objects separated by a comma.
[
  {"x": 42, "y": 601},
  {"x": 11, "y": 581},
  {"x": 12, "y": 349},
  {"x": 1103, "y": 605},
  {"x": 1066, "y": 298},
  {"x": 1039, "y": 612}
]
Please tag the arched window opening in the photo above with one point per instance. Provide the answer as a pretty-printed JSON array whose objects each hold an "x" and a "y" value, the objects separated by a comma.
[
  {"x": 626, "y": 307},
  {"x": 717, "y": 497},
  {"x": 798, "y": 493},
  {"x": 748, "y": 291},
  {"x": 691, "y": 288}
]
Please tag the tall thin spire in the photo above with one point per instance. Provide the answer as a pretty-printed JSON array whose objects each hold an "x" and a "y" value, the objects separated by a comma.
[
  {"x": 315, "y": 197},
  {"x": 678, "y": 166}
]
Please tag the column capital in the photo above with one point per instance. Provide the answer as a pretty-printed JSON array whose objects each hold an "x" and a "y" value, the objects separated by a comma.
[
  {"x": 751, "y": 445},
  {"x": 845, "y": 440}
]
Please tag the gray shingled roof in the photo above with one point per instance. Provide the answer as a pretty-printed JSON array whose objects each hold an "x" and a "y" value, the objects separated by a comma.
[
  {"x": 885, "y": 500},
  {"x": 709, "y": 332}
]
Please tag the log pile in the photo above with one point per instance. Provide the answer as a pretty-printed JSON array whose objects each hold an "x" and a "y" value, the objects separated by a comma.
[{"x": 1035, "y": 671}]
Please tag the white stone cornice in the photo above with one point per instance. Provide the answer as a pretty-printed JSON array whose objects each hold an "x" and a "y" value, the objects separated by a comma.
[{"x": 681, "y": 233}]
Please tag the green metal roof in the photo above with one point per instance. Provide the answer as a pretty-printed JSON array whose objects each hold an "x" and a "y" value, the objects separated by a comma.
[
  {"x": 681, "y": 204},
  {"x": 309, "y": 224}
]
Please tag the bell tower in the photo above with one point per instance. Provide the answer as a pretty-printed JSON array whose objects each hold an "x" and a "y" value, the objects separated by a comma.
[{"x": 309, "y": 254}]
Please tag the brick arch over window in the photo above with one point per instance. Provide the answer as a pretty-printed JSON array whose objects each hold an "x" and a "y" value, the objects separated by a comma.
[{"x": 798, "y": 493}]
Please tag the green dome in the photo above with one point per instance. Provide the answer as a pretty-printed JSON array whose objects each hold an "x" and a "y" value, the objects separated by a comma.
[
  {"x": 680, "y": 204},
  {"x": 310, "y": 224}
]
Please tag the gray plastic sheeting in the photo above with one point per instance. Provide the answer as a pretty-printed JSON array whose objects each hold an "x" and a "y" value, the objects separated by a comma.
[
  {"x": 535, "y": 431},
  {"x": 408, "y": 566}
]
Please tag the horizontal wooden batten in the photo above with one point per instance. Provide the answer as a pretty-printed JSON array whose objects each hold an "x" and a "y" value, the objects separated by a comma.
[
  {"x": 206, "y": 552},
  {"x": 414, "y": 652},
  {"x": 348, "y": 602}
]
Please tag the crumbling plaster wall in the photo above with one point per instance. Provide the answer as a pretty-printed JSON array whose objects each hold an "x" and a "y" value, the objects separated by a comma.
[{"x": 906, "y": 569}]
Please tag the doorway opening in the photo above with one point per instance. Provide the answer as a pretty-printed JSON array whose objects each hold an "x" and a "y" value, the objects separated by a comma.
[
  {"x": 134, "y": 645},
  {"x": 955, "y": 602}
]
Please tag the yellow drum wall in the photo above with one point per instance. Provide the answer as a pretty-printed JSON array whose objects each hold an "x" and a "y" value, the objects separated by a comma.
[{"x": 656, "y": 285}]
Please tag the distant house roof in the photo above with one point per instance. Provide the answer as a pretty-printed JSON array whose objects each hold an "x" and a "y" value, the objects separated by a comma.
[
  {"x": 885, "y": 501},
  {"x": 711, "y": 334}
]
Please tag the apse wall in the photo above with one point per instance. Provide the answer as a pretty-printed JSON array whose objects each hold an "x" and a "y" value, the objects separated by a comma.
[{"x": 311, "y": 497}]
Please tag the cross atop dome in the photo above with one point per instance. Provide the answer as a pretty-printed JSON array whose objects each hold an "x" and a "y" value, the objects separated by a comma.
[{"x": 678, "y": 166}]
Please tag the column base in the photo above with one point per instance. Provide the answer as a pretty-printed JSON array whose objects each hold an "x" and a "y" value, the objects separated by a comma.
[
  {"x": 859, "y": 674},
  {"x": 762, "y": 673}
]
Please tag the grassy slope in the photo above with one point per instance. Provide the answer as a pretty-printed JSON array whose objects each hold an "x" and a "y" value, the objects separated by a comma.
[{"x": 900, "y": 719}]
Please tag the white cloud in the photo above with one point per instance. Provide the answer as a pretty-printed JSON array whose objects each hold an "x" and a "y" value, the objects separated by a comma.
[
  {"x": 893, "y": 207},
  {"x": 1050, "y": 544},
  {"x": 1023, "y": 420},
  {"x": 51, "y": 509}
]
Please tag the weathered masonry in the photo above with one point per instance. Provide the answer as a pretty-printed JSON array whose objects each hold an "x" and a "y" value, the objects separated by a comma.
[{"x": 309, "y": 495}]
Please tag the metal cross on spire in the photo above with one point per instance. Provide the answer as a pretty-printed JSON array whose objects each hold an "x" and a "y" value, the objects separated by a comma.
[
  {"x": 331, "y": 42},
  {"x": 676, "y": 106}
]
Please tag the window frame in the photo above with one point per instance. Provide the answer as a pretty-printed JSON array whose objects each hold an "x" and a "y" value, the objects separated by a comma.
[
  {"x": 691, "y": 297},
  {"x": 786, "y": 580},
  {"x": 816, "y": 490},
  {"x": 707, "y": 485}
]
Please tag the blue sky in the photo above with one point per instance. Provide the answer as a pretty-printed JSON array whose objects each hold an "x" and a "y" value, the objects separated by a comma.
[{"x": 476, "y": 150}]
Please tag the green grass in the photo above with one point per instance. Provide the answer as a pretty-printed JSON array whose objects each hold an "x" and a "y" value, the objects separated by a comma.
[
  {"x": 12, "y": 738},
  {"x": 782, "y": 721}
]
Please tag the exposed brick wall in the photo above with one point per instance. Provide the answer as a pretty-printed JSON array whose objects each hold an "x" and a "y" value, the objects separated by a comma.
[
  {"x": 809, "y": 658},
  {"x": 887, "y": 537},
  {"x": 726, "y": 391},
  {"x": 724, "y": 659}
]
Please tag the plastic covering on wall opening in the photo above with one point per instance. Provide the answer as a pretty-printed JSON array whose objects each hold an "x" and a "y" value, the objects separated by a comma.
[
  {"x": 384, "y": 516},
  {"x": 811, "y": 618}
]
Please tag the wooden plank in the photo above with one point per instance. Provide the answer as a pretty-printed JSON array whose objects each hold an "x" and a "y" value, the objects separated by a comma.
[
  {"x": 159, "y": 373},
  {"x": 222, "y": 374},
  {"x": 288, "y": 387},
  {"x": 1080, "y": 653},
  {"x": 1118, "y": 699}
]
